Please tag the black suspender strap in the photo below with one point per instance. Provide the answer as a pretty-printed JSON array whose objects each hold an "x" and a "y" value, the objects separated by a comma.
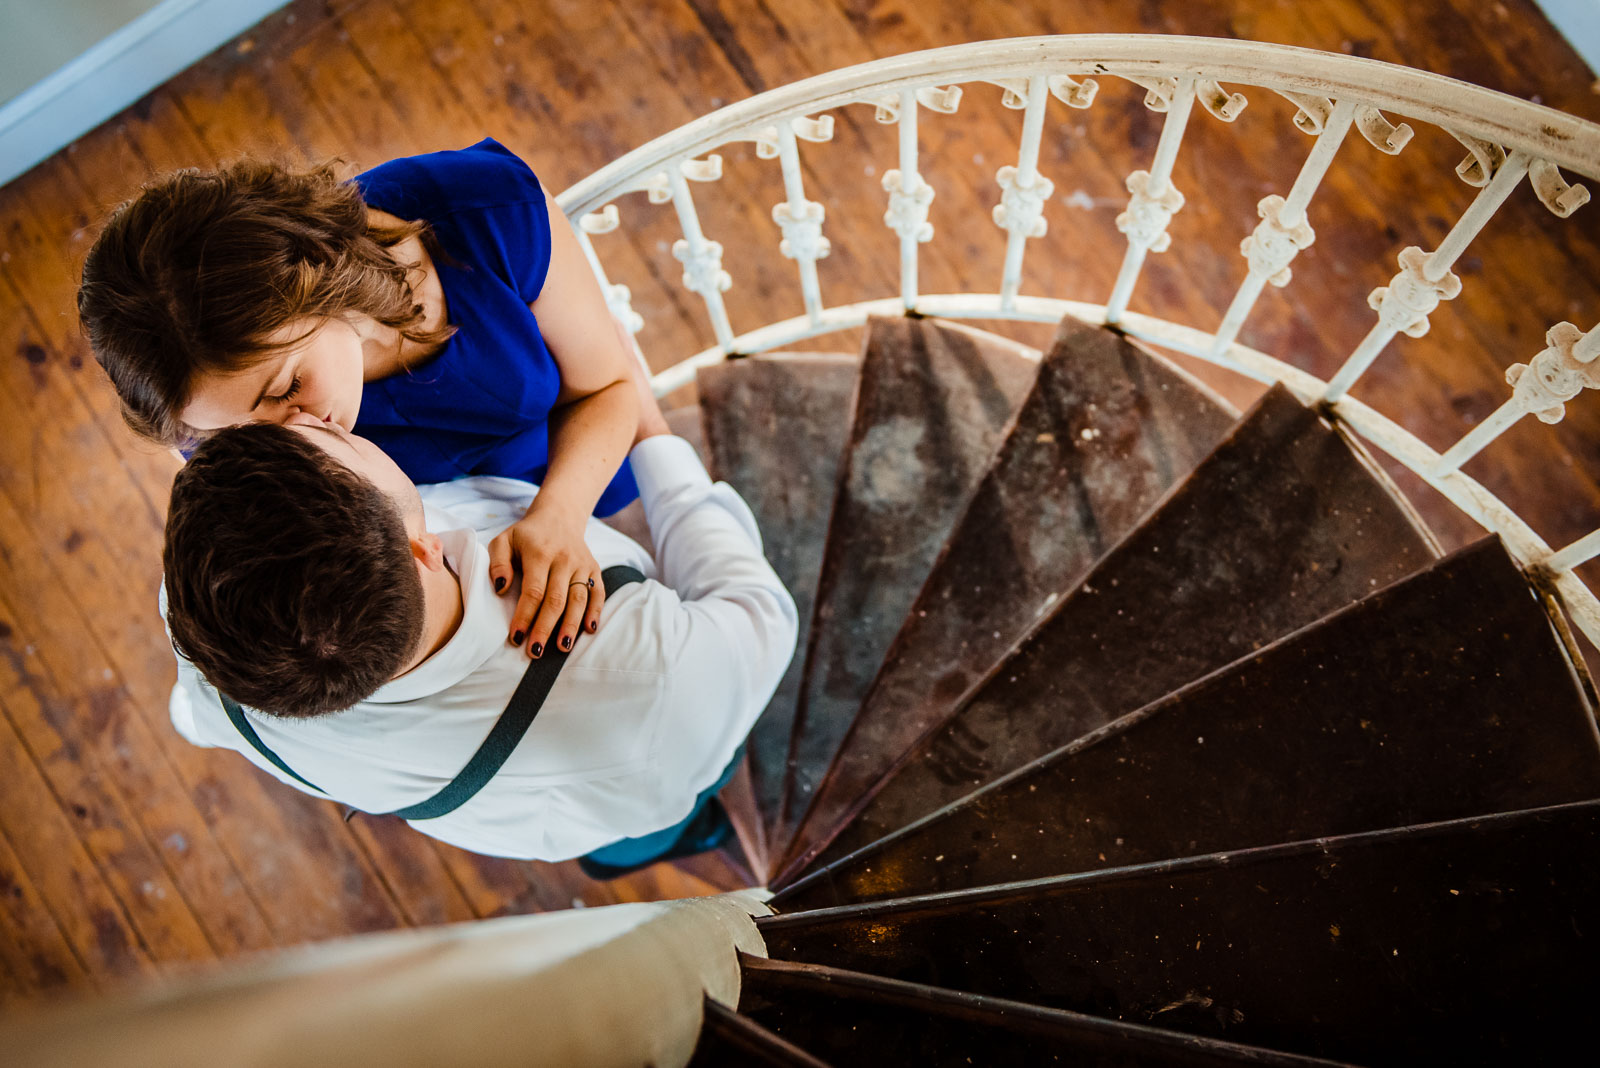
[
  {"x": 496, "y": 748},
  {"x": 236, "y": 714}
]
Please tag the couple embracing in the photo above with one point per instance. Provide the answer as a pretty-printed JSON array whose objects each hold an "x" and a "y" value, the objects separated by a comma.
[{"x": 403, "y": 401}]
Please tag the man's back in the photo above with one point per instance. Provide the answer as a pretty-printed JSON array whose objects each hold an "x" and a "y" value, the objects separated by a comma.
[{"x": 644, "y": 715}]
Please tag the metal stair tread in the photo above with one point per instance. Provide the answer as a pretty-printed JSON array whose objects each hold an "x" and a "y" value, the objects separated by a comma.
[
  {"x": 1453, "y": 942},
  {"x": 931, "y": 405},
  {"x": 1284, "y": 522},
  {"x": 729, "y": 1038},
  {"x": 1105, "y": 429},
  {"x": 858, "y": 1018},
  {"x": 1386, "y": 713},
  {"x": 775, "y": 426}
]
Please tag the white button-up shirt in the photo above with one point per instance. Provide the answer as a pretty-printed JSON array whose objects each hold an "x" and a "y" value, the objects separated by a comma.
[{"x": 645, "y": 714}]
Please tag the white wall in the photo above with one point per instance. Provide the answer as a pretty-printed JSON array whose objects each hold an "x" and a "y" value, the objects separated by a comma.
[
  {"x": 39, "y": 36},
  {"x": 68, "y": 65}
]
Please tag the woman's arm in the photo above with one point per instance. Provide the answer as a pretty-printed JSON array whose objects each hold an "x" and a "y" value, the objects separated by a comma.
[{"x": 592, "y": 427}]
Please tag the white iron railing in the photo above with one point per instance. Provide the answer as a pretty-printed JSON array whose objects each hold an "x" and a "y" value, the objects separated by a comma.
[{"x": 1507, "y": 140}]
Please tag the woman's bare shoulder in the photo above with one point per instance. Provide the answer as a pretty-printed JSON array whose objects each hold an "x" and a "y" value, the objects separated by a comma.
[{"x": 378, "y": 217}]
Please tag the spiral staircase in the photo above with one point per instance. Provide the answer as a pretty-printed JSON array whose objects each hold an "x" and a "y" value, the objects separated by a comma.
[
  {"x": 1131, "y": 729},
  {"x": 1126, "y": 728}
]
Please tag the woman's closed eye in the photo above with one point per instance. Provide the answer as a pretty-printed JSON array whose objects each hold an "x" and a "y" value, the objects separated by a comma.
[{"x": 288, "y": 394}]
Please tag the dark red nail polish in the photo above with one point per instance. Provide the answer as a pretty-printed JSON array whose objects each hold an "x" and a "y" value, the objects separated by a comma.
[
  {"x": 593, "y": 626},
  {"x": 499, "y": 585},
  {"x": 516, "y": 639},
  {"x": 536, "y": 649},
  {"x": 566, "y": 642}
]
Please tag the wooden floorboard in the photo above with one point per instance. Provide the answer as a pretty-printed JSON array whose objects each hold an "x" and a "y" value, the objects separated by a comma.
[{"x": 124, "y": 851}]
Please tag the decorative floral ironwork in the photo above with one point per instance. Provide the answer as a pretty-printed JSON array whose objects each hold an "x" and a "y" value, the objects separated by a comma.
[
  {"x": 1145, "y": 221},
  {"x": 908, "y": 206},
  {"x": 1021, "y": 207},
  {"x": 1273, "y": 245},
  {"x": 802, "y": 230},
  {"x": 702, "y": 266},
  {"x": 1406, "y": 302},
  {"x": 1565, "y": 368}
]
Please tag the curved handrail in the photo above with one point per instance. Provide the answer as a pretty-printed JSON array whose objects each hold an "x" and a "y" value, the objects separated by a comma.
[
  {"x": 1565, "y": 140},
  {"x": 1507, "y": 140}
]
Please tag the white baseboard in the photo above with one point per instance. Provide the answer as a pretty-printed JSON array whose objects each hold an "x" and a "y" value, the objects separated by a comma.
[{"x": 116, "y": 72}]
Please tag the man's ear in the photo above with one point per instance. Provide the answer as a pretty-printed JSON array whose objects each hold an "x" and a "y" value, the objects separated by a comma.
[{"x": 428, "y": 551}]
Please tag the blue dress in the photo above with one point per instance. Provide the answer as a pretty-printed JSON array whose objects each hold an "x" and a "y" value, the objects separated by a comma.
[{"x": 481, "y": 405}]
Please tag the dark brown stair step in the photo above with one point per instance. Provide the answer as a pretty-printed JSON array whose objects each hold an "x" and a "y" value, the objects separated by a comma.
[
  {"x": 1105, "y": 430},
  {"x": 774, "y": 428},
  {"x": 1445, "y": 695},
  {"x": 931, "y": 407},
  {"x": 731, "y": 1040},
  {"x": 856, "y": 1019},
  {"x": 1467, "y": 942},
  {"x": 1284, "y": 523}
]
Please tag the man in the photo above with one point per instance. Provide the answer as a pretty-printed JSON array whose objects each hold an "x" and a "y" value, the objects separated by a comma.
[{"x": 351, "y": 623}]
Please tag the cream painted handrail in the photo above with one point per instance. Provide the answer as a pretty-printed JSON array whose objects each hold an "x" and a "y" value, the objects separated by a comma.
[
  {"x": 621, "y": 985},
  {"x": 1508, "y": 141}
]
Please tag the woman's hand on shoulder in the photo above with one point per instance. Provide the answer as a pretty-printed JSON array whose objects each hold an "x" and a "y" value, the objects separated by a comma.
[{"x": 561, "y": 592}]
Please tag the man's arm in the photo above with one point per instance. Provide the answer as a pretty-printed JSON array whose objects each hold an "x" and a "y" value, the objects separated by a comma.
[
  {"x": 186, "y": 691},
  {"x": 731, "y": 629},
  {"x": 670, "y": 686}
]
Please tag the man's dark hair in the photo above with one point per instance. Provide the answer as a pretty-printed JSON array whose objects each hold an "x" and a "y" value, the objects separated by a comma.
[{"x": 290, "y": 579}]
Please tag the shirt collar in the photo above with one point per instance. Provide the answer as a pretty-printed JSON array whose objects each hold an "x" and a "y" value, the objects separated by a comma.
[{"x": 484, "y": 620}]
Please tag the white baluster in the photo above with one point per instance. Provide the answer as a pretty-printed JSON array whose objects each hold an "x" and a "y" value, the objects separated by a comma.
[
  {"x": 1023, "y": 191},
  {"x": 1541, "y": 387},
  {"x": 1284, "y": 229},
  {"x": 1155, "y": 199},
  {"x": 1584, "y": 549},
  {"x": 1403, "y": 306},
  {"x": 909, "y": 195},
  {"x": 909, "y": 199},
  {"x": 618, "y": 297},
  {"x": 799, "y": 219},
  {"x": 701, "y": 258}
]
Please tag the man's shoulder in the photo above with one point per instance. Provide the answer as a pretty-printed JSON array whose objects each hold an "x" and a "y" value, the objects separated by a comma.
[
  {"x": 485, "y": 503},
  {"x": 478, "y": 489}
]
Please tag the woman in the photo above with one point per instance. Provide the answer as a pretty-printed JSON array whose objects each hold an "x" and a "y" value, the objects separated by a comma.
[{"x": 437, "y": 305}]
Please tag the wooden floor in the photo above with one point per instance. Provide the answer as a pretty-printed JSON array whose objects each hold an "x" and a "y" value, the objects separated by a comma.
[{"x": 125, "y": 852}]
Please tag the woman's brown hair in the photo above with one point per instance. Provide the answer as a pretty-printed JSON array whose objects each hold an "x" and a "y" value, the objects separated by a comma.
[{"x": 197, "y": 271}]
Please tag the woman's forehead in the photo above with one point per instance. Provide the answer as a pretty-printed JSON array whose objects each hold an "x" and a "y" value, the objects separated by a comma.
[
  {"x": 297, "y": 333},
  {"x": 221, "y": 396}
]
